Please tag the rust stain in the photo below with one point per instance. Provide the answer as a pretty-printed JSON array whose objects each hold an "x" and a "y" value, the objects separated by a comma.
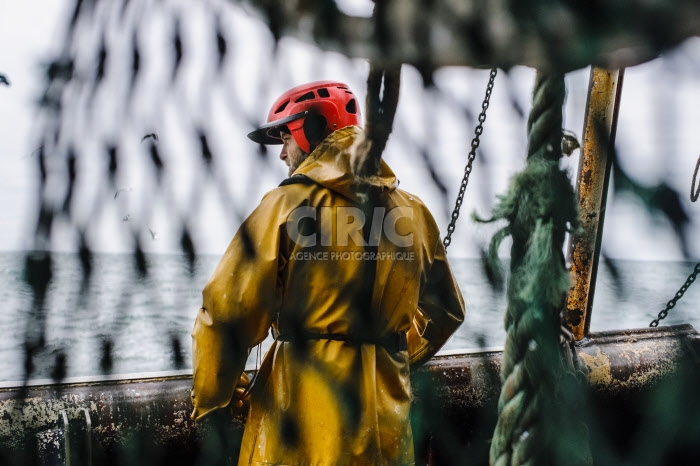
[
  {"x": 631, "y": 364},
  {"x": 598, "y": 368},
  {"x": 591, "y": 188}
]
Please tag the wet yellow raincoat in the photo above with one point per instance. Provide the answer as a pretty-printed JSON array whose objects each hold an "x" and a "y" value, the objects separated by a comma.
[{"x": 327, "y": 400}]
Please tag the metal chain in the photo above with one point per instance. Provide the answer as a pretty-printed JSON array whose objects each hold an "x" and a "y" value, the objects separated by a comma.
[
  {"x": 470, "y": 160},
  {"x": 691, "y": 278},
  {"x": 679, "y": 294}
]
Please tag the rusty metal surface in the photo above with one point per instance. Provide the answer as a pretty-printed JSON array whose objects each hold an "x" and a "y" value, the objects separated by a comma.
[
  {"x": 628, "y": 361},
  {"x": 592, "y": 186},
  {"x": 148, "y": 417},
  {"x": 456, "y": 392},
  {"x": 614, "y": 363},
  {"x": 158, "y": 406}
]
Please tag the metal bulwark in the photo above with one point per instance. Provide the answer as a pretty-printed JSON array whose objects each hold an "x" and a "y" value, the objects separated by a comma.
[{"x": 145, "y": 419}]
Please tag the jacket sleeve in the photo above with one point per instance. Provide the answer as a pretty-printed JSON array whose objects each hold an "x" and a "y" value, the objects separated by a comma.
[
  {"x": 239, "y": 304},
  {"x": 440, "y": 311}
]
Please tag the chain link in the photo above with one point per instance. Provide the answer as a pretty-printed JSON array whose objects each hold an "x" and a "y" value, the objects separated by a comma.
[
  {"x": 679, "y": 294},
  {"x": 470, "y": 159}
]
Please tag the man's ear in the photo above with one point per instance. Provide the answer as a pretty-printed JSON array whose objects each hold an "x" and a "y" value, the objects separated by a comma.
[{"x": 314, "y": 129}]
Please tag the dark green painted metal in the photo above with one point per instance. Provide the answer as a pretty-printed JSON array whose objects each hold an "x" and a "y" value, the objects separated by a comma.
[{"x": 544, "y": 34}]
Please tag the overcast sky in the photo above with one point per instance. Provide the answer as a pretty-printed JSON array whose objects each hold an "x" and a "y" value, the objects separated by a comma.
[{"x": 657, "y": 137}]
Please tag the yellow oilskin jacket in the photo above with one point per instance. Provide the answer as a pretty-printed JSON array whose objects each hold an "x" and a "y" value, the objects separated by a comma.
[{"x": 339, "y": 268}]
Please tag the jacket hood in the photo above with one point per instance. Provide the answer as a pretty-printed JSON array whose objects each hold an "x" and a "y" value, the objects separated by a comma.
[{"x": 330, "y": 165}]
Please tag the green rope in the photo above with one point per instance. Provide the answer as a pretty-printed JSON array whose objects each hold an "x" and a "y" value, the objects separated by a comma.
[{"x": 539, "y": 207}]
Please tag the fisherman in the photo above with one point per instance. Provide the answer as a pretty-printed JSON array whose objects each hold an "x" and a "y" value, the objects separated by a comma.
[{"x": 351, "y": 275}]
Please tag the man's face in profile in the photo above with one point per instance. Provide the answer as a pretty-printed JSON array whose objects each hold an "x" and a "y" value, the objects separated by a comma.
[{"x": 291, "y": 153}]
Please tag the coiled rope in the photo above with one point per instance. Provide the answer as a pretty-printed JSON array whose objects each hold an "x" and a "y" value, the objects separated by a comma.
[{"x": 539, "y": 208}]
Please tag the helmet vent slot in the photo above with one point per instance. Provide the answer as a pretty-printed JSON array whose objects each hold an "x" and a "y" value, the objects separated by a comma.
[
  {"x": 308, "y": 96},
  {"x": 282, "y": 107},
  {"x": 351, "y": 106},
  {"x": 323, "y": 92}
]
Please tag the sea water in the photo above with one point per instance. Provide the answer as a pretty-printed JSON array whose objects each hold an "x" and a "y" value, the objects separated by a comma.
[{"x": 147, "y": 320}]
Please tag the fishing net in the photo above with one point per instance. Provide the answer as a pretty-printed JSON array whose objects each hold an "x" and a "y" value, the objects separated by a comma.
[
  {"x": 142, "y": 152},
  {"x": 145, "y": 173}
]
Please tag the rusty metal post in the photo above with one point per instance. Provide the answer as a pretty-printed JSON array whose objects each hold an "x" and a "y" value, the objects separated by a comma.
[{"x": 592, "y": 183}]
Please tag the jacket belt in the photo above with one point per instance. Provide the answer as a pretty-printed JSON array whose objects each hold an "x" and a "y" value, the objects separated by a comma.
[{"x": 393, "y": 342}]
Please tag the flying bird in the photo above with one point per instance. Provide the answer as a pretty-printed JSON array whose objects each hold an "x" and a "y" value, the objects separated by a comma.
[
  {"x": 569, "y": 143},
  {"x": 154, "y": 235},
  {"x": 125, "y": 188},
  {"x": 3, "y": 80},
  {"x": 126, "y": 218},
  {"x": 153, "y": 136}
]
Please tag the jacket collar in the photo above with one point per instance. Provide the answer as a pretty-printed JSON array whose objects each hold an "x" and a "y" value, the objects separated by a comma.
[{"x": 330, "y": 165}]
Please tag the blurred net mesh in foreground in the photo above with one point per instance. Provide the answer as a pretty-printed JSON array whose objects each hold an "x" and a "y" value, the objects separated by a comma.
[
  {"x": 146, "y": 173},
  {"x": 143, "y": 151}
]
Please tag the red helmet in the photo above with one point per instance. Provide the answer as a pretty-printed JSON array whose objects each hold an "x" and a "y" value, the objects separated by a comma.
[{"x": 309, "y": 112}]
